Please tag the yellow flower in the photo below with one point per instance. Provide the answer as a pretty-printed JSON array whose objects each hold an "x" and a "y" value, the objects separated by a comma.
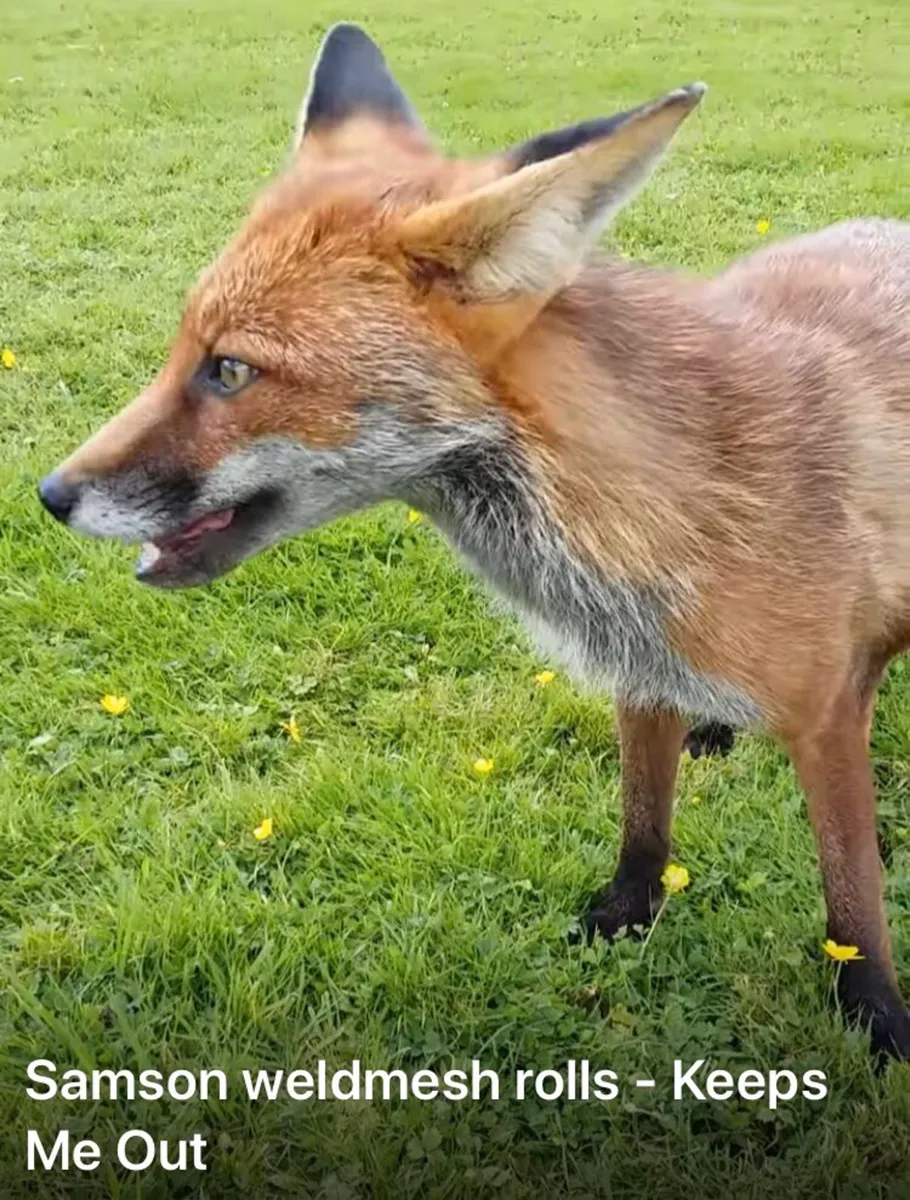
[
  {"x": 544, "y": 678},
  {"x": 263, "y": 831},
  {"x": 483, "y": 766},
  {"x": 115, "y": 705},
  {"x": 8, "y": 358},
  {"x": 291, "y": 728},
  {"x": 675, "y": 878},
  {"x": 695, "y": 800},
  {"x": 842, "y": 953},
  {"x": 414, "y": 517},
  {"x": 762, "y": 226}
]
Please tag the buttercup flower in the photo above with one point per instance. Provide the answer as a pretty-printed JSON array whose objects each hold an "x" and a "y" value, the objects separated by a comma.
[
  {"x": 842, "y": 953},
  {"x": 483, "y": 766},
  {"x": 414, "y": 517},
  {"x": 291, "y": 728},
  {"x": 762, "y": 226},
  {"x": 115, "y": 705},
  {"x": 8, "y": 358},
  {"x": 263, "y": 831},
  {"x": 544, "y": 677},
  {"x": 675, "y": 878}
]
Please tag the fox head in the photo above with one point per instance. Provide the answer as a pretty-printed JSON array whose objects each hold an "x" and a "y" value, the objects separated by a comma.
[{"x": 348, "y": 340}]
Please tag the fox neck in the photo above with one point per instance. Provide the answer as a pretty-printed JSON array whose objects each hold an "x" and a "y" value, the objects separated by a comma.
[
  {"x": 605, "y": 630},
  {"x": 631, "y": 385},
  {"x": 587, "y": 504},
  {"x": 593, "y": 450}
]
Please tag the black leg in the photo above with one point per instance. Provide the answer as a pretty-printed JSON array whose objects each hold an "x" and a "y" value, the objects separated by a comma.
[
  {"x": 649, "y": 747},
  {"x": 833, "y": 765}
]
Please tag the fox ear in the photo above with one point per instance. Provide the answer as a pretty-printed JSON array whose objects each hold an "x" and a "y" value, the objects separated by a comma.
[
  {"x": 563, "y": 141},
  {"x": 527, "y": 234},
  {"x": 350, "y": 78}
]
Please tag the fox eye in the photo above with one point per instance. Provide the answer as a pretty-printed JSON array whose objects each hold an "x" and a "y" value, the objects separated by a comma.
[{"x": 228, "y": 376}]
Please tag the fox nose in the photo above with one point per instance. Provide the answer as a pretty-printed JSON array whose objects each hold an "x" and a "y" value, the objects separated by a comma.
[{"x": 58, "y": 495}]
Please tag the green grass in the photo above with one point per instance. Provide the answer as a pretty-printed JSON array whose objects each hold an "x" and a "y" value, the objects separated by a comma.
[{"x": 405, "y": 912}]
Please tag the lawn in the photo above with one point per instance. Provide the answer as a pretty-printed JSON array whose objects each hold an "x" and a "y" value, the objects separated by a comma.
[{"x": 406, "y": 911}]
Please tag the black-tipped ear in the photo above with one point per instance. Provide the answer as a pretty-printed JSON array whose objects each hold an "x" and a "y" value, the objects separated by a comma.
[
  {"x": 562, "y": 141},
  {"x": 350, "y": 78},
  {"x": 525, "y": 235}
]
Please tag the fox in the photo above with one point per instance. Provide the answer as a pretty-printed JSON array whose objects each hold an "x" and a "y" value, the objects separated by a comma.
[{"x": 694, "y": 491}]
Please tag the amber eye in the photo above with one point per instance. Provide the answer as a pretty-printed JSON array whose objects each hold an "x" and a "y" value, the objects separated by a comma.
[{"x": 228, "y": 376}]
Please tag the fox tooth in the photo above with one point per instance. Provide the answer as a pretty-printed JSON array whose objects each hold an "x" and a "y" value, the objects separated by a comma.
[{"x": 149, "y": 555}]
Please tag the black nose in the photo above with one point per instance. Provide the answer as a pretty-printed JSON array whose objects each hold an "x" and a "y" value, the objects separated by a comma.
[{"x": 58, "y": 495}]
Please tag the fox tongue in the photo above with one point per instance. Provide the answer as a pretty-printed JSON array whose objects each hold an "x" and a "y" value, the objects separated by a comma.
[
  {"x": 167, "y": 553},
  {"x": 206, "y": 524}
]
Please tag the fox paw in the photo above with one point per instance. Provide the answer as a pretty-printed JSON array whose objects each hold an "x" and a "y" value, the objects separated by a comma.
[
  {"x": 626, "y": 907},
  {"x": 890, "y": 1036},
  {"x": 878, "y": 1006},
  {"x": 710, "y": 738}
]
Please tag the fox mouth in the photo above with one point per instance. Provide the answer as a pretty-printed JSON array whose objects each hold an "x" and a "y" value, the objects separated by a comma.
[{"x": 207, "y": 546}]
